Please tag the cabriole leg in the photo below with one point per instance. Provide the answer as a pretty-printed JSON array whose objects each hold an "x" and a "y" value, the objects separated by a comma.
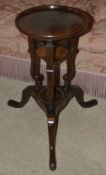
[
  {"x": 26, "y": 94},
  {"x": 52, "y": 131}
]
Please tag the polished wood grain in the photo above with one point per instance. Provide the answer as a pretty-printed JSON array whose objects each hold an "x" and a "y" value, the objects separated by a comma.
[
  {"x": 54, "y": 22},
  {"x": 53, "y": 35}
]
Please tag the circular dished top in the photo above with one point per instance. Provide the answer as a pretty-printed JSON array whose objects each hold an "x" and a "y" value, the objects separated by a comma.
[{"x": 54, "y": 22}]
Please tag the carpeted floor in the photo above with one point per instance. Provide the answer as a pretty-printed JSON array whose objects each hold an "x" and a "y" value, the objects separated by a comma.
[{"x": 81, "y": 139}]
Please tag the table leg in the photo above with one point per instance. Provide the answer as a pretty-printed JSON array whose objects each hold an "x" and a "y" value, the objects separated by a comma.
[
  {"x": 26, "y": 94},
  {"x": 52, "y": 131},
  {"x": 71, "y": 71},
  {"x": 35, "y": 73},
  {"x": 35, "y": 64},
  {"x": 79, "y": 95}
]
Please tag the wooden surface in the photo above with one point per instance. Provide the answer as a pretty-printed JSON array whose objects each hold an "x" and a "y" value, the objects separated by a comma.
[{"x": 56, "y": 22}]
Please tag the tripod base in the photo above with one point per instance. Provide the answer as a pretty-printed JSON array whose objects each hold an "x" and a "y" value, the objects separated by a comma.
[{"x": 61, "y": 99}]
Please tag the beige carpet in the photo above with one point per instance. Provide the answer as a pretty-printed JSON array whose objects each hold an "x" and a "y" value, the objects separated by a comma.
[{"x": 81, "y": 140}]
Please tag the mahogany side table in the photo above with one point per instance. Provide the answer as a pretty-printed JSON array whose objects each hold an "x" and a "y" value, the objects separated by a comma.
[{"x": 53, "y": 33}]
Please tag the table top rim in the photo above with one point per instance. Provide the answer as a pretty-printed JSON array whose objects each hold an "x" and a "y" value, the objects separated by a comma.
[{"x": 85, "y": 15}]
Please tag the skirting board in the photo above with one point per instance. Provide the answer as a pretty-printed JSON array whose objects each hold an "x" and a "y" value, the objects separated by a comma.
[{"x": 93, "y": 84}]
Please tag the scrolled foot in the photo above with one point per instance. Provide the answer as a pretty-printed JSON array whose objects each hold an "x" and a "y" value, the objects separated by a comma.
[
  {"x": 26, "y": 94},
  {"x": 89, "y": 103},
  {"x": 15, "y": 104},
  {"x": 79, "y": 95}
]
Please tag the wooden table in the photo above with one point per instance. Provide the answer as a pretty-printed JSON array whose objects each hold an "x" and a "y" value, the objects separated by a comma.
[{"x": 53, "y": 33}]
